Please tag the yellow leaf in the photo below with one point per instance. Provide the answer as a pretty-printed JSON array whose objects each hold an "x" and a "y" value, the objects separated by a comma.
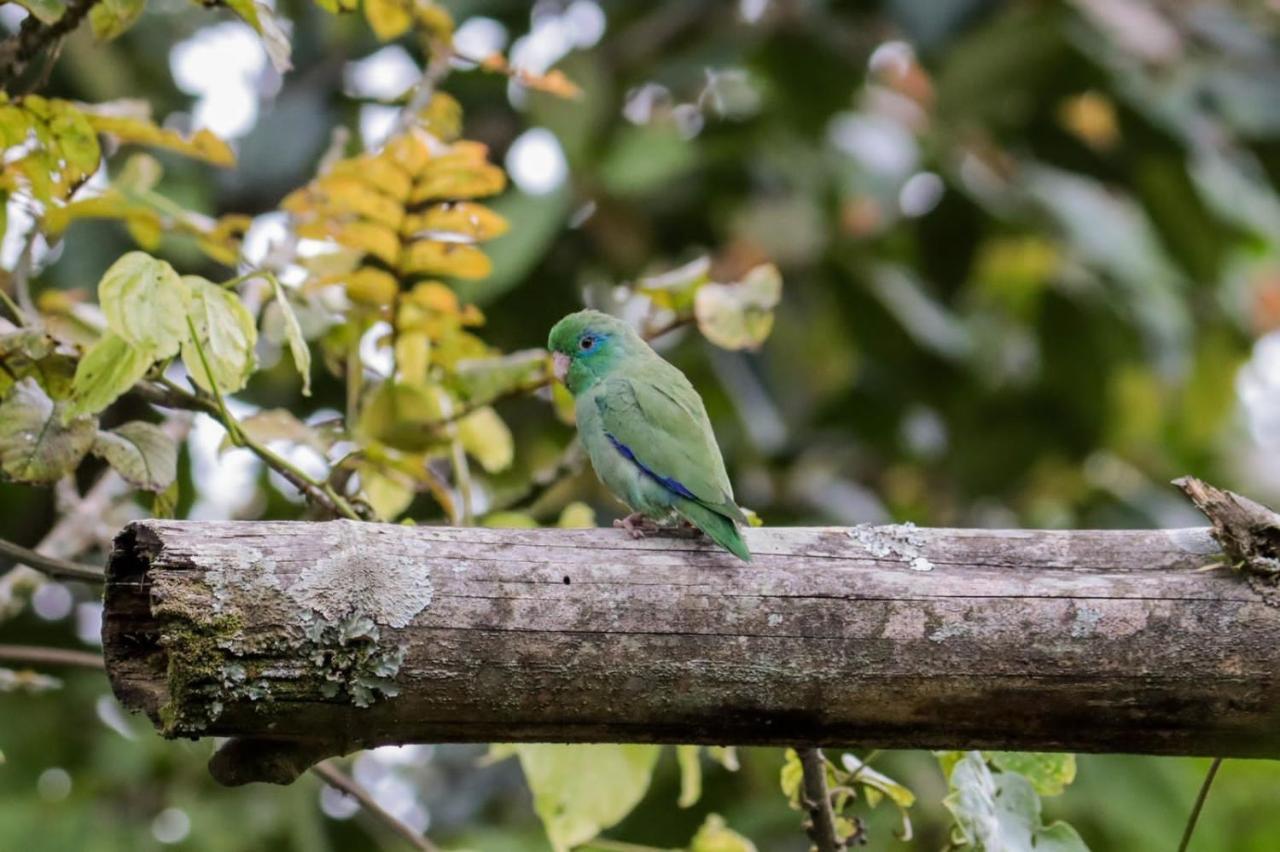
[
  {"x": 433, "y": 296},
  {"x": 377, "y": 240},
  {"x": 442, "y": 116},
  {"x": 578, "y": 515},
  {"x": 388, "y": 18},
  {"x": 413, "y": 356},
  {"x": 402, "y": 416},
  {"x": 739, "y": 315},
  {"x": 409, "y": 151},
  {"x": 435, "y": 19},
  {"x": 485, "y": 437},
  {"x": 464, "y": 172},
  {"x": 381, "y": 173},
  {"x": 386, "y": 489},
  {"x": 459, "y": 260},
  {"x": 374, "y": 287},
  {"x": 202, "y": 144},
  {"x": 344, "y": 194},
  {"x": 464, "y": 218}
]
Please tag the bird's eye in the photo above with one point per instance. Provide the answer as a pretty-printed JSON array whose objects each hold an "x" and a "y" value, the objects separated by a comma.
[{"x": 587, "y": 342}]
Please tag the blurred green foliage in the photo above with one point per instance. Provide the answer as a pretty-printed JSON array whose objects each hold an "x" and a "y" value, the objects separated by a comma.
[{"x": 1027, "y": 248}]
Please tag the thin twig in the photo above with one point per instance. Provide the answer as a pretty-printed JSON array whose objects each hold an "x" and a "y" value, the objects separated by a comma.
[
  {"x": 43, "y": 656},
  {"x": 339, "y": 780},
  {"x": 1199, "y": 805},
  {"x": 170, "y": 394},
  {"x": 821, "y": 824},
  {"x": 59, "y": 569},
  {"x": 22, "y": 275},
  {"x": 16, "y": 52},
  {"x": 437, "y": 69}
]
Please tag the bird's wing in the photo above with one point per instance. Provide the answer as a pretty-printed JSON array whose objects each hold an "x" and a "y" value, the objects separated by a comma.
[{"x": 660, "y": 424}]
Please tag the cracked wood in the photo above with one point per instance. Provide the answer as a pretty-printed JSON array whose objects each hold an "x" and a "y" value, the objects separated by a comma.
[{"x": 339, "y": 635}]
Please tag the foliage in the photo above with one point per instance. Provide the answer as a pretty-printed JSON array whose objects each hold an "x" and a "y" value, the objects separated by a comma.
[{"x": 1027, "y": 248}]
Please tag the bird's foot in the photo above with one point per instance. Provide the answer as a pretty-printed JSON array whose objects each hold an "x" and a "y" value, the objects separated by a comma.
[{"x": 638, "y": 525}]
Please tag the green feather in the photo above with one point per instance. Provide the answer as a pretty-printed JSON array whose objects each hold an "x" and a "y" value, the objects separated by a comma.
[{"x": 718, "y": 528}]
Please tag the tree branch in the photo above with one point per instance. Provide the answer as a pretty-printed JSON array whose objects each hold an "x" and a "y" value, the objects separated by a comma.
[
  {"x": 16, "y": 52},
  {"x": 339, "y": 780},
  {"x": 821, "y": 823},
  {"x": 887, "y": 636},
  {"x": 59, "y": 569},
  {"x": 43, "y": 656}
]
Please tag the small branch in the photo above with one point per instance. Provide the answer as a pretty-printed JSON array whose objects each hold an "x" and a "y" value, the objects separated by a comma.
[
  {"x": 16, "y": 52},
  {"x": 22, "y": 275},
  {"x": 339, "y": 780},
  {"x": 821, "y": 824},
  {"x": 59, "y": 569},
  {"x": 51, "y": 656},
  {"x": 437, "y": 69},
  {"x": 1199, "y": 805},
  {"x": 171, "y": 395}
]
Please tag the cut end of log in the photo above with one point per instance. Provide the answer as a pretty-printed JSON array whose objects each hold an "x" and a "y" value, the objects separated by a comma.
[{"x": 137, "y": 663}]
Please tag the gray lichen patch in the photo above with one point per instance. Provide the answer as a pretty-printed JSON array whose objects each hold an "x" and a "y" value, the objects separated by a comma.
[
  {"x": 901, "y": 541},
  {"x": 354, "y": 578}
]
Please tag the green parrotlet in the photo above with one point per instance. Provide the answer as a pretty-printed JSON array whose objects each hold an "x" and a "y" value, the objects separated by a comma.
[{"x": 645, "y": 429}]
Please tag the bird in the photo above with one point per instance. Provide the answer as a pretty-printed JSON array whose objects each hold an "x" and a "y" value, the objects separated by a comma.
[{"x": 645, "y": 429}]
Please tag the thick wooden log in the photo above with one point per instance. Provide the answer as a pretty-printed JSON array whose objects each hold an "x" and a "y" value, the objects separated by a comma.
[{"x": 309, "y": 639}]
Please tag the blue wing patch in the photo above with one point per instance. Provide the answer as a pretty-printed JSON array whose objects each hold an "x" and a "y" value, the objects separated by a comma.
[{"x": 666, "y": 481}]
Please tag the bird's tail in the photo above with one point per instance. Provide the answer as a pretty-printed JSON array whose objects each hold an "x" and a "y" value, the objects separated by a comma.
[{"x": 720, "y": 529}]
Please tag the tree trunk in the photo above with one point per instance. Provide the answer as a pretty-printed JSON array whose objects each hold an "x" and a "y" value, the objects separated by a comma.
[{"x": 311, "y": 639}]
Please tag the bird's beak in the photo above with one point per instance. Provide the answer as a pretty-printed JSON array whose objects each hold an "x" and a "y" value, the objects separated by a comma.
[{"x": 560, "y": 365}]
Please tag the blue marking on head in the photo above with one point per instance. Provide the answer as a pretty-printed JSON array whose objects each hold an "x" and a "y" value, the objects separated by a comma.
[
  {"x": 592, "y": 342},
  {"x": 665, "y": 481}
]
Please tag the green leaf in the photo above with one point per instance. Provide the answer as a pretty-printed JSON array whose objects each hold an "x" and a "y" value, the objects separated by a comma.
[
  {"x": 1049, "y": 773},
  {"x": 227, "y": 336},
  {"x": 263, "y": 19},
  {"x": 45, "y": 11},
  {"x": 110, "y": 18},
  {"x": 165, "y": 503},
  {"x": 580, "y": 790},
  {"x": 487, "y": 439},
  {"x": 716, "y": 836},
  {"x": 142, "y": 453},
  {"x": 108, "y": 369},
  {"x": 577, "y": 515},
  {"x": 1000, "y": 812},
  {"x": 403, "y": 416},
  {"x": 481, "y": 380},
  {"x": 298, "y": 348},
  {"x": 644, "y": 159},
  {"x": 509, "y": 521},
  {"x": 35, "y": 445},
  {"x": 143, "y": 300},
  {"x": 863, "y": 774},
  {"x": 674, "y": 290},
  {"x": 689, "y": 759},
  {"x": 387, "y": 490},
  {"x": 278, "y": 424},
  {"x": 739, "y": 316}
]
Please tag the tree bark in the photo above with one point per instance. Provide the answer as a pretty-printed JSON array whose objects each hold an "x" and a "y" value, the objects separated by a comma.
[{"x": 305, "y": 640}]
